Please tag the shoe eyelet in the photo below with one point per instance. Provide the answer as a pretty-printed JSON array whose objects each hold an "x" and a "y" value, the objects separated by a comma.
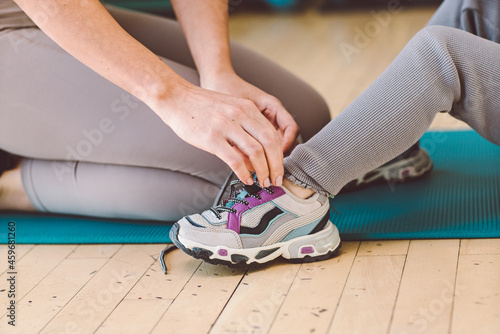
[{"x": 246, "y": 203}]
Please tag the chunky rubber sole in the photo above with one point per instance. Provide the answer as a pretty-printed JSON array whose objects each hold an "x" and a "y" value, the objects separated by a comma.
[
  {"x": 401, "y": 171},
  {"x": 320, "y": 246}
]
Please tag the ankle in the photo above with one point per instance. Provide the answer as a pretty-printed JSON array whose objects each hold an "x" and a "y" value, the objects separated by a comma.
[{"x": 297, "y": 190}]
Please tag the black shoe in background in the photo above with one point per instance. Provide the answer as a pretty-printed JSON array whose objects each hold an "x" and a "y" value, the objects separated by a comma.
[{"x": 411, "y": 164}]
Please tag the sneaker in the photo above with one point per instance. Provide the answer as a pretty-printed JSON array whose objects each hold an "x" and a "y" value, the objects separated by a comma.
[
  {"x": 256, "y": 225},
  {"x": 411, "y": 164}
]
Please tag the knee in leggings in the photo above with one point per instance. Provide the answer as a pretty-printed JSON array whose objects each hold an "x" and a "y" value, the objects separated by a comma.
[
  {"x": 435, "y": 48},
  {"x": 433, "y": 37}
]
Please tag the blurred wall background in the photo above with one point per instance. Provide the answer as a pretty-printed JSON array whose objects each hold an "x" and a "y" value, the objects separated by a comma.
[{"x": 163, "y": 7}]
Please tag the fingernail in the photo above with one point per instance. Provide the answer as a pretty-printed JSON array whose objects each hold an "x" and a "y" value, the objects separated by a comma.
[
  {"x": 279, "y": 181},
  {"x": 250, "y": 181},
  {"x": 267, "y": 183}
]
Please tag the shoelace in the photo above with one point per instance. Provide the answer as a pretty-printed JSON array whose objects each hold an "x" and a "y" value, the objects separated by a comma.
[{"x": 239, "y": 197}]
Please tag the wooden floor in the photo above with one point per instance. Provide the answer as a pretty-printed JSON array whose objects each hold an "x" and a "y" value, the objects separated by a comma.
[{"x": 421, "y": 286}]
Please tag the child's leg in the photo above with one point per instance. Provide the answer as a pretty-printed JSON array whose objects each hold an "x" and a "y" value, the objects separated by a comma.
[
  {"x": 440, "y": 70},
  {"x": 478, "y": 17}
]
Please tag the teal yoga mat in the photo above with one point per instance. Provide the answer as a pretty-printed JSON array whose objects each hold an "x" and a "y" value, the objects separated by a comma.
[{"x": 461, "y": 199}]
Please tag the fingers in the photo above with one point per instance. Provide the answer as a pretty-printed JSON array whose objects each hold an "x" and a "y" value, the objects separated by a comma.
[
  {"x": 287, "y": 125},
  {"x": 254, "y": 151},
  {"x": 268, "y": 158},
  {"x": 234, "y": 160},
  {"x": 242, "y": 153},
  {"x": 281, "y": 119},
  {"x": 246, "y": 161},
  {"x": 290, "y": 134}
]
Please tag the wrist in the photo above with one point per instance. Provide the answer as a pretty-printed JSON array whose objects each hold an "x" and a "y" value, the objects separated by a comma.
[
  {"x": 163, "y": 101},
  {"x": 215, "y": 74}
]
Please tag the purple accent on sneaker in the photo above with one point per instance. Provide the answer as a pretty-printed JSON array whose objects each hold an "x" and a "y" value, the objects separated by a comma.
[
  {"x": 307, "y": 250},
  {"x": 223, "y": 252},
  {"x": 234, "y": 219}
]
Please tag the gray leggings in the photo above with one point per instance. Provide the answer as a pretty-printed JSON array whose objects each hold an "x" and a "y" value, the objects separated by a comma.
[
  {"x": 93, "y": 149},
  {"x": 442, "y": 69}
]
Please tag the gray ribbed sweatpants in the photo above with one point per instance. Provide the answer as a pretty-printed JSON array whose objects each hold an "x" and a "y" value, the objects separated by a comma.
[
  {"x": 95, "y": 150},
  {"x": 452, "y": 65}
]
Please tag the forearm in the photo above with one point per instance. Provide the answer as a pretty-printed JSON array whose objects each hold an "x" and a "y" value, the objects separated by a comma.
[
  {"x": 205, "y": 24},
  {"x": 87, "y": 31}
]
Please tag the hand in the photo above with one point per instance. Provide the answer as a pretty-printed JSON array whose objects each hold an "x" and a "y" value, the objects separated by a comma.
[
  {"x": 231, "y": 84},
  {"x": 232, "y": 128}
]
